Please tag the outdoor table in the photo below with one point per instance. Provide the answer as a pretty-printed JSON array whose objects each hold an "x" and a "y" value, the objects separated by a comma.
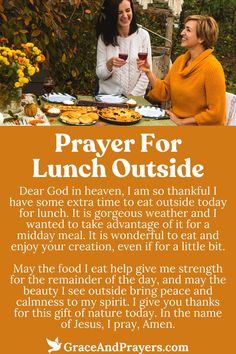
[{"x": 143, "y": 122}]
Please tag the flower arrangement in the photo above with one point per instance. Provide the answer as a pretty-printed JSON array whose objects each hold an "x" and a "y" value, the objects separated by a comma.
[{"x": 17, "y": 67}]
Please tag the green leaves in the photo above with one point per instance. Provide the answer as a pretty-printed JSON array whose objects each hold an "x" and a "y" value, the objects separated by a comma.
[
  {"x": 63, "y": 58},
  {"x": 36, "y": 33},
  {"x": 27, "y": 20},
  {"x": 65, "y": 32},
  {"x": 224, "y": 11}
]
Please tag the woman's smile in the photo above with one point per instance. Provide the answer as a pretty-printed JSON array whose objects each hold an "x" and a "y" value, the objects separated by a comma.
[
  {"x": 125, "y": 14},
  {"x": 189, "y": 37}
]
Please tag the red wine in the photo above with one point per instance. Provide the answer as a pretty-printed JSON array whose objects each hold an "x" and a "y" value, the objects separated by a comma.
[
  {"x": 48, "y": 87},
  {"x": 142, "y": 56},
  {"x": 123, "y": 56}
]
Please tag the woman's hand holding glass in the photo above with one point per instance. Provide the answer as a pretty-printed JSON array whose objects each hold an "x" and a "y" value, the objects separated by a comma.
[
  {"x": 116, "y": 62},
  {"x": 142, "y": 62},
  {"x": 143, "y": 65}
]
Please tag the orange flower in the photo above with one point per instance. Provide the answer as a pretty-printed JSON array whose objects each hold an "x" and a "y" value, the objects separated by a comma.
[
  {"x": 3, "y": 39},
  {"x": 26, "y": 48},
  {"x": 87, "y": 11},
  {"x": 40, "y": 58},
  {"x": 18, "y": 66},
  {"x": 21, "y": 60}
]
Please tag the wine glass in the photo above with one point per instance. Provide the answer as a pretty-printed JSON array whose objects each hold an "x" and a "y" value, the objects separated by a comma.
[
  {"x": 48, "y": 85},
  {"x": 123, "y": 56},
  {"x": 143, "y": 52},
  {"x": 142, "y": 55}
]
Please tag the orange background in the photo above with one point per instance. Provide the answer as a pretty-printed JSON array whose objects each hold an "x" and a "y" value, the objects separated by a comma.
[{"x": 212, "y": 147}]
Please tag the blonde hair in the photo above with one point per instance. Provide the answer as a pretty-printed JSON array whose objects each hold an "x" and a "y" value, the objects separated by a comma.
[{"x": 207, "y": 29}]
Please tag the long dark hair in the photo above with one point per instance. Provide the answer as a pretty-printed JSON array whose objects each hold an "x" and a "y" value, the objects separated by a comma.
[{"x": 107, "y": 22}]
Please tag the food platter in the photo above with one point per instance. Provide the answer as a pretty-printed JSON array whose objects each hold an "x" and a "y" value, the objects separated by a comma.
[
  {"x": 74, "y": 123},
  {"x": 39, "y": 119},
  {"x": 79, "y": 119},
  {"x": 58, "y": 97},
  {"x": 112, "y": 99},
  {"x": 63, "y": 108},
  {"x": 120, "y": 116},
  {"x": 151, "y": 112}
]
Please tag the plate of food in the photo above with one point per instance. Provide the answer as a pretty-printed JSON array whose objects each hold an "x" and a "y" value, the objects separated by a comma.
[
  {"x": 151, "y": 112},
  {"x": 112, "y": 99},
  {"x": 78, "y": 118},
  {"x": 63, "y": 108},
  {"x": 58, "y": 97},
  {"x": 131, "y": 103},
  {"x": 53, "y": 112},
  {"x": 121, "y": 116},
  {"x": 37, "y": 121}
]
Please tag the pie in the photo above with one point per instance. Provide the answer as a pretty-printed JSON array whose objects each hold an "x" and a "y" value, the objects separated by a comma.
[
  {"x": 76, "y": 117},
  {"x": 119, "y": 115},
  {"x": 64, "y": 108},
  {"x": 88, "y": 117}
]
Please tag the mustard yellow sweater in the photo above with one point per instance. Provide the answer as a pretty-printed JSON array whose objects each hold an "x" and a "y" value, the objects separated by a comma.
[{"x": 197, "y": 90}]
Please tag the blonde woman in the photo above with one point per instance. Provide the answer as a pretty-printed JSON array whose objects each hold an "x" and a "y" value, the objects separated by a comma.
[{"x": 195, "y": 83}]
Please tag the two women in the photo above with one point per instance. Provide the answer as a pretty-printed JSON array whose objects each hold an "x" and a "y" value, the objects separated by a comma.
[
  {"x": 195, "y": 84},
  {"x": 119, "y": 42}
]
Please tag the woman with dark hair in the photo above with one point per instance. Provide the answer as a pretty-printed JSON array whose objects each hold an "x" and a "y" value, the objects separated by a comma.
[
  {"x": 195, "y": 83},
  {"x": 119, "y": 42}
]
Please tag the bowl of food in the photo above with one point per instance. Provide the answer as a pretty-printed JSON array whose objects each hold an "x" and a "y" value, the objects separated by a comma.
[
  {"x": 69, "y": 102},
  {"x": 131, "y": 103},
  {"x": 53, "y": 112}
]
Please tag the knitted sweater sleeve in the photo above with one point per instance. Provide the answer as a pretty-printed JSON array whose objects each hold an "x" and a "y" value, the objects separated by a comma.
[
  {"x": 215, "y": 112},
  {"x": 101, "y": 68},
  {"x": 162, "y": 88}
]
